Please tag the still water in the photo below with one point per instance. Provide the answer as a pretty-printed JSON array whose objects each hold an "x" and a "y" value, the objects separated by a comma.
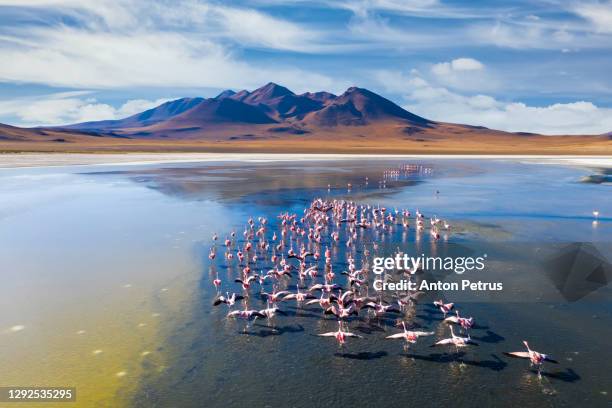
[{"x": 106, "y": 286}]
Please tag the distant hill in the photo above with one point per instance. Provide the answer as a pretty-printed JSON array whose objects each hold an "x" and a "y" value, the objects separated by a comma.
[{"x": 273, "y": 118}]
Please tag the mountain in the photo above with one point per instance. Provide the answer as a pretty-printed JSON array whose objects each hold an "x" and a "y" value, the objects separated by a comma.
[
  {"x": 225, "y": 94},
  {"x": 275, "y": 119},
  {"x": 320, "y": 96},
  {"x": 217, "y": 111},
  {"x": 358, "y": 106},
  {"x": 270, "y": 104},
  {"x": 266, "y": 94},
  {"x": 278, "y": 102},
  {"x": 152, "y": 116}
]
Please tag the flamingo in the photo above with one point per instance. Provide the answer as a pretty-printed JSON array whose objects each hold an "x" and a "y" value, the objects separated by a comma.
[
  {"x": 326, "y": 287},
  {"x": 444, "y": 307},
  {"x": 457, "y": 341},
  {"x": 275, "y": 296},
  {"x": 246, "y": 282},
  {"x": 380, "y": 308},
  {"x": 299, "y": 296},
  {"x": 536, "y": 359},
  {"x": 408, "y": 335},
  {"x": 340, "y": 335},
  {"x": 342, "y": 312},
  {"x": 409, "y": 299},
  {"x": 465, "y": 323},
  {"x": 323, "y": 302},
  {"x": 228, "y": 300},
  {"x": 270, "y": 312},
  {"x": 246, "y": 314},
  {"x": 217, "y": 283}
]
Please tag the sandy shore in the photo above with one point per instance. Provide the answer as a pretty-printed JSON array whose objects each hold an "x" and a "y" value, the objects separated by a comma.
[{"x": 23, "y": 160}]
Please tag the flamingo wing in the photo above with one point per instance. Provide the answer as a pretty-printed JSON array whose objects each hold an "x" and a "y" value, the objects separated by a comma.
[
  {"x": 517, "y": 354},
  {"x": 443, "y": 342},
  {"x": 396, "y": 336},
  {"x": 452, "y": 320},
  {"x": 422, "y": 333},
  {"x": 345, "y": 294}
]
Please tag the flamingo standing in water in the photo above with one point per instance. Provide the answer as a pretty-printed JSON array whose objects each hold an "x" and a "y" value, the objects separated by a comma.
[
  {"x": 217, "y": 283},
  {"x": 340, "y": 335},
  {"x": 408, "y": 335},
  {"x": 536, "y": 359}
]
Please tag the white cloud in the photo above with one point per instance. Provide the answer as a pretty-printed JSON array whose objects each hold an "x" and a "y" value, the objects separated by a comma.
[
  {"x": 439, "y": 103},
  {"x": 363, "y": 7},
  {"x": 251, "y": 27},
  {"x": 139, "y": 43},
  {"x": 464, "y": 73},
  {"x": 459, "y": 64},
  {"x": 534, "y": 34},
  {"x": 69, "y": 107},
  {"x": 598, "y": 14},
  {"x": 466, "y": 64}
]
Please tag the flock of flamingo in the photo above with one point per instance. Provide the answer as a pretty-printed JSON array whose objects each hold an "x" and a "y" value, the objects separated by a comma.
[{"x": 305, "y": 252}]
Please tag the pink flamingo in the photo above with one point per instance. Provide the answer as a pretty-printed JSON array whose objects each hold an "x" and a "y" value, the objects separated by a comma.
[
  {"x": 444, "y": 307},
  {"x": 408, "y": 335},
  {"x": 536, "y": 359},
  {"x": 340, "y": 335}
]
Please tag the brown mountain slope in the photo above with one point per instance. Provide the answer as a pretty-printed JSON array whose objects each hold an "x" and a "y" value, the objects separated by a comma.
[
  {"x": 357, "y": 107},
  {"x": 214, "y": 112}
]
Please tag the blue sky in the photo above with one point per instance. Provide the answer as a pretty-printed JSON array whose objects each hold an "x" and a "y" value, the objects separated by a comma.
[{"x": 539, "y": 66}]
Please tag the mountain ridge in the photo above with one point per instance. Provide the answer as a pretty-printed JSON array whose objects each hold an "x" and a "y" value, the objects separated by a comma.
[
  {"x": 273, "y": 118},
  {"x": 271, "y": 103}
]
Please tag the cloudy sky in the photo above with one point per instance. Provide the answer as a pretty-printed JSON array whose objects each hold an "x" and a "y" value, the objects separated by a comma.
[{"x": 534, "y": 65}]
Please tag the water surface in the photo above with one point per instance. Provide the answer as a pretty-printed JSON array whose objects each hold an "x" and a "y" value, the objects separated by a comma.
[{"x": 106, "y": 286}]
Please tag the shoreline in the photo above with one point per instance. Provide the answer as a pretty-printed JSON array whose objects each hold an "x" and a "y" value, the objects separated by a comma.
[{"x": 41, "y": 160}]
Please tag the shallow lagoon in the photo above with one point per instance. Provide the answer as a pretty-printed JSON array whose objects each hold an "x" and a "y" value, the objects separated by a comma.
[{"x": 106, "y": 286}]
